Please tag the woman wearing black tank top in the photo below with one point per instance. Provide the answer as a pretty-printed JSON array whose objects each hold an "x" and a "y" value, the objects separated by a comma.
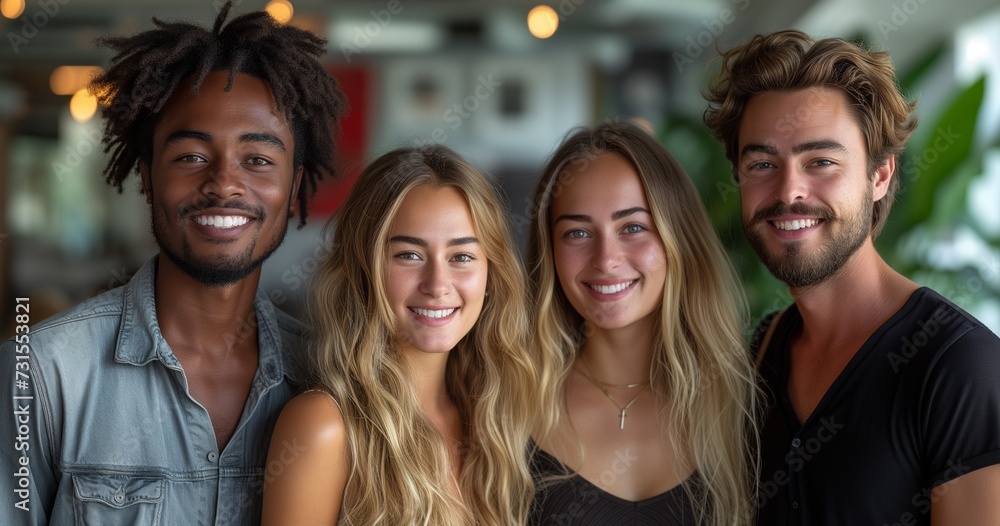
[{"x": 648, "y": 390}]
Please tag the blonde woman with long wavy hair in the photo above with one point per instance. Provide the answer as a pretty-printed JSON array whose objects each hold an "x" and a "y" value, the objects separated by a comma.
[
  {"x": 424, "y": 387},
  {"x": 648, "y": 390}
]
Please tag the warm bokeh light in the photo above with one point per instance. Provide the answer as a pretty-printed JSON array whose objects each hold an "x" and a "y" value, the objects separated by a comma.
[
  {"x": 543, "y": 21},
  {"x": 11, "y": 8},
  {"x": 67, "y": 80},
  {"x": 280, "y": 10},
  {"x": 82, "y": 106}
]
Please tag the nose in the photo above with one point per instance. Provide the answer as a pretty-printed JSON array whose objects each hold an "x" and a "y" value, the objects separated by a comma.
[
  {"x": 791, "y": 184},
  {"x": 608, "y": 253},
  {"x": 224, "y": 179},
  {"x": 435, "y": 281}
]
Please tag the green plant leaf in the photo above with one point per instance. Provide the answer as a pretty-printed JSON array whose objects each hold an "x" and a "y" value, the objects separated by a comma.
[
  {"x": 951, "y": 204},
  {"x": 944, "y": 150}
]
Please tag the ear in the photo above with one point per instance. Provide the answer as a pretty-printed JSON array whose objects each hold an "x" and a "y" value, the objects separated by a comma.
[
  {"x": 883, "y": 176},
  {"x": 293, "y": 206},
  {"x": 144, "y": 175}
]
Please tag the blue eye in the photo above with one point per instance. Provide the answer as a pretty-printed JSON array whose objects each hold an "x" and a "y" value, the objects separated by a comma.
[
  {"x": 408, "y": 256},
  {"x": 634, "y": 228},
  {"x": 576, "y": 234},
  {"x": 463, "y": 258}
]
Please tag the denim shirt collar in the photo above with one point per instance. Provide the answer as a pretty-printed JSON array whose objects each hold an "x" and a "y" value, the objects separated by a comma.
[{"x": 140, "y": 340}]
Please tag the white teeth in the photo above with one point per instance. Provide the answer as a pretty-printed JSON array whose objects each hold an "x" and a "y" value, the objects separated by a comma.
[
  {"x": 611, "y": 289},
  {"x": 796, "y": 224},
  {"x": 434, "y": 313},
  {"x": 221, "y": 221}
]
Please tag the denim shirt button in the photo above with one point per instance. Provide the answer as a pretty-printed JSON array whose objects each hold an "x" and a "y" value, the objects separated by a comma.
[
  {"x": 119, "y": 497},
  {"x": 213, "y": 456}
]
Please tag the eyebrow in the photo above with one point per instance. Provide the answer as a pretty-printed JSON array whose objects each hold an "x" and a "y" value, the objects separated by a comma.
[
  {"x": 627, "y": 212},
  {"x": 821, "y": 144},
  {"x": 421, "y": 243},
  {"x": 180, "y": 135},
  {"x": 583, "y": 218},
  {"x": 810, "y": 146},
  {"x": 266, "y": 138}
]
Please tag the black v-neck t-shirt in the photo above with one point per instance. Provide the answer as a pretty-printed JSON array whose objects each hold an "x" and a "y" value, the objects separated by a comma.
[{"x": 916, "y": 407}]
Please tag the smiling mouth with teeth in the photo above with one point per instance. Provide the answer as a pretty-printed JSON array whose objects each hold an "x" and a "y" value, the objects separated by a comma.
[
  {"x": 797, "y": 224},
  {"x": 611, "y": 289},
  {"x": 221, "y": 221},
  {"x": 441, "y": 313}
]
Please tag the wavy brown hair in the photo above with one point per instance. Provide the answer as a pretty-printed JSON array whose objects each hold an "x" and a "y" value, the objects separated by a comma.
[
  {"x": 791, "y": 60},
  {"x": 399, "y": 473},
  {"x": 700, "y": 370}
]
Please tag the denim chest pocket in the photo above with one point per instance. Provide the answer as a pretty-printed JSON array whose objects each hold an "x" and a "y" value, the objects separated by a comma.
[{"x": 117, "y": 499}]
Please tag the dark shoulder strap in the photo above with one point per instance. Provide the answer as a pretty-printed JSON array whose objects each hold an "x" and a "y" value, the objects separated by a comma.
[{"x": 766, "y": 340}]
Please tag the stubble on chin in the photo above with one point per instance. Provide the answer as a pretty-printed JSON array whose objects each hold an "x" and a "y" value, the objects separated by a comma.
[
  {"x": 223, "y": 270},
  {"x": 797, "y": 267}
]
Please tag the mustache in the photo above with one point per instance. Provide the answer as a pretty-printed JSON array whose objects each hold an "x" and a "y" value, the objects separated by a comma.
[
  {"x": 235, "y": 204},
  {"x": 779, "y": 209}
]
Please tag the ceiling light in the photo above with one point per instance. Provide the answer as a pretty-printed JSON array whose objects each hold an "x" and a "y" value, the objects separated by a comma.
[
  {"x": 280, "y": 10},
  {"x": 82, "y": 106},
  {"x": 543, "y": 21}
]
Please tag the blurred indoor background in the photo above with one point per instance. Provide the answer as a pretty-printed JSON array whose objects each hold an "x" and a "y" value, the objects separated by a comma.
[{"x": 501, "y": 82}]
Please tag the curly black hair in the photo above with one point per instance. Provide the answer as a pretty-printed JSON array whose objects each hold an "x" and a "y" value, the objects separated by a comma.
[{"x": 149, "y": 66}]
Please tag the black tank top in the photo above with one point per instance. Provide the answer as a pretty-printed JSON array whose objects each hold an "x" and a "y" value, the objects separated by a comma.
[{"x": 575, "y": 501}]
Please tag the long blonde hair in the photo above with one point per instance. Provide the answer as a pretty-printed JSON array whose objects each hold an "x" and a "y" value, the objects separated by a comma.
[
  {"x": 700, "y": 364},
  {"x": 399, "y": 472}
]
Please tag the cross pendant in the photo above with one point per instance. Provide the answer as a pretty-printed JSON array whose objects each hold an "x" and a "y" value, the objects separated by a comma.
[{"x": 622, "y": 425}]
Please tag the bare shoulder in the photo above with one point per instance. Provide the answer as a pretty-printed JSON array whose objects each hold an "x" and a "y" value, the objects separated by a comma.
[
  {"x": 313, "y": 417},
  {"x": 308, "y": 464}
]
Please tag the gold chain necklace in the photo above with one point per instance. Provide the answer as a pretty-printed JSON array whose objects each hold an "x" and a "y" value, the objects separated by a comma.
[{"x": 601, "y": 385}]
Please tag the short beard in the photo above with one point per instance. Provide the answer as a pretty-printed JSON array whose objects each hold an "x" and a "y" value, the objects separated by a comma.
[
  {"x": 801, "y": 270},
  {"x": 222, "y": 271}
]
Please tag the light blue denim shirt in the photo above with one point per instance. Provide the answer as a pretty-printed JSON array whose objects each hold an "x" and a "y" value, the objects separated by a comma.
[{"x": 110, "y": 433}]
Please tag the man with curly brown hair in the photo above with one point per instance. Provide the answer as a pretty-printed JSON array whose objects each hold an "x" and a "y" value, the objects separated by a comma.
[
  {"x": 154, "y": 403},
  {"x": 883, "y": 405}
]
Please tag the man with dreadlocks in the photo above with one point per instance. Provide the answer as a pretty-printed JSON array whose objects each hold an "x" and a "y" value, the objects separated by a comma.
[{"x": 154, "y": 402}]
